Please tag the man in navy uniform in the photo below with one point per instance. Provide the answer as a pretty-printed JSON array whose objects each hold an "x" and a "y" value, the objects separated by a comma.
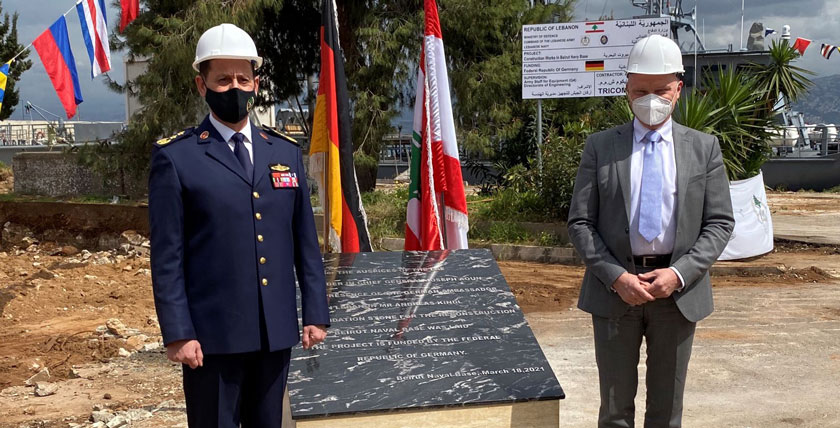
[{"x": 231, "y": 226}]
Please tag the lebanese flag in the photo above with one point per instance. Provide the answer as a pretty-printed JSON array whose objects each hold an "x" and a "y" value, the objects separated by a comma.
[
  {"x": 801, "y": 44},
  {"x": 436, "y": 216},
  {"x": 331, "y": 149},
  {"x": 130, "y": 10},
  {"x": 53, "y": 46},
  {"x": 95, "y": 32}
]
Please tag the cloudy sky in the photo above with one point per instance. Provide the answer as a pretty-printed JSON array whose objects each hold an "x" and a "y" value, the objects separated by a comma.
[{"x": 818, "y": 20}]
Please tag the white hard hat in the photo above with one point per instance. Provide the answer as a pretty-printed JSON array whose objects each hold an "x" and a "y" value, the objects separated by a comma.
[
  {"x": 655, "y": 54},
  {"x": 226, "y": 41}
]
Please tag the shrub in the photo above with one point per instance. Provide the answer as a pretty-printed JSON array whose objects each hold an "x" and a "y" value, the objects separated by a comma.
[
  {"x": 5, "y": 172},
  {"x": 500, "y": 231},
  {"x": 386, "y": 212},
  {"x": 509, "y": 204}
]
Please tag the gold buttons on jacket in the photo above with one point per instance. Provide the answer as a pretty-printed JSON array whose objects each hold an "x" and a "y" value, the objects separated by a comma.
[
  {"x": 256, "y": 195},
  {"x": 264, "y": 282},
  {"x": 258, "y": 216},
  {"x": 262, "y": 260},
  {"x": 259, "y": 238}
]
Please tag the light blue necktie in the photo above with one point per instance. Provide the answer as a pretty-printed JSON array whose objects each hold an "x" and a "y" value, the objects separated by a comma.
[{"x": 650, "y": 207}]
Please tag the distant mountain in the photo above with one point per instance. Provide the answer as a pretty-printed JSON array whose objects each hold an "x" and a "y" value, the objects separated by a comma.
[{"x": 822, "y": 103}]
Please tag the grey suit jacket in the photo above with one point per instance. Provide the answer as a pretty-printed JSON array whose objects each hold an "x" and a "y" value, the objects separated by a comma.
[{"x": 599, "y": 218}]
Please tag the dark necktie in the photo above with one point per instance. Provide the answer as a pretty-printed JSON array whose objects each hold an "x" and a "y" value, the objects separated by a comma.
[{"x": 242, "y": 154}]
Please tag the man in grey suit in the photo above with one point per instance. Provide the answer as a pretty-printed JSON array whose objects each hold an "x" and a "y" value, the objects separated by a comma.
[{"x": 649, "y": 215}]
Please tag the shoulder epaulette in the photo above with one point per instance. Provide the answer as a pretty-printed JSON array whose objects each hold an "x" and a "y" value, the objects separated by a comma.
[
  {"x": 273, "y": 131},
  {"x": 174, "y": 137}
]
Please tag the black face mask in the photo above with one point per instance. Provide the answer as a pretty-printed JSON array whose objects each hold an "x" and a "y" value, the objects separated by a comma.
[{"x": 232, "y": 105}]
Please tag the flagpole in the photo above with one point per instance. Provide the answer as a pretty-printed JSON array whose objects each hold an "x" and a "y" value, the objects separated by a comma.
[
  {"x": 443, "y": 221},
  {"x": 33, "y": 42},
  {"x": 539, "y": 133},
  {"x": 696, "y": 40},
  {"x": 742, "y": 24},
  {"x": 327, "y": 199},
  {"x": 539, "y": 139}
]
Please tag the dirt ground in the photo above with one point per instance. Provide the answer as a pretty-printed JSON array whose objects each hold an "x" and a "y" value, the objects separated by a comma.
[
  {"x": 89, "y": 319},
  {"x": 803, "y": 203},
  {"x": 540, "y": 288},
  {"x": 83, "y": 324}
]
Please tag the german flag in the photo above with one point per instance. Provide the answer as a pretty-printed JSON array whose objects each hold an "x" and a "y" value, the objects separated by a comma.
[
  {"x": 331, "y": 151},
  {"x": 594, "y": 65}
]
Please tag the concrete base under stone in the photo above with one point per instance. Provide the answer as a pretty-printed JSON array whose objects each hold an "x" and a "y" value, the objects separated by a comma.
[{"x": 531, "y": 414}]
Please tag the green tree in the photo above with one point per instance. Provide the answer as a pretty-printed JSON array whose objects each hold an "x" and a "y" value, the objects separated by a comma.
[
  {"x": 381, "y": 43},
  {"x": 9, "y": 47},
  {"x": 483, "y": 43},
  {"x": 378, "y": 52},
  {"x": 381, "y": 53},
  {"x": 288, "y": 39},
  {"x": 164, "y": 36}
]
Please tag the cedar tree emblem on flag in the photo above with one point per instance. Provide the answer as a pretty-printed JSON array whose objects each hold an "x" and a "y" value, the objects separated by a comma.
[
  {"x": 595, "y": 27},
  {"x": 436, "y": 216}
]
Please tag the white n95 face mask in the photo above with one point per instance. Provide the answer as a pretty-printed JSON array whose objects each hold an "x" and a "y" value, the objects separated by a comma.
[{"x": 651, "y": 109}]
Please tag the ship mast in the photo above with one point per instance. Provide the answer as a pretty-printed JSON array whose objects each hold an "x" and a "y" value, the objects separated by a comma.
[{"x": 679, "y": 19}]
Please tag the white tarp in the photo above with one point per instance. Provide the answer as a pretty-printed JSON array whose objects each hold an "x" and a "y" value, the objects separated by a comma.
[{"x": 753, "y": 234}]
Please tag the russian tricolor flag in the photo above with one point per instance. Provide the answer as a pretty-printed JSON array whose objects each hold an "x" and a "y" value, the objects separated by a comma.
[
  {"x": 95, "y": 31},
  {"x": 53, "y": 46}
]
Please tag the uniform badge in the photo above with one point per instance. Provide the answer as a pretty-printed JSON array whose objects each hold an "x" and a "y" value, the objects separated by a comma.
[
  {"x": 164, "y": 141},
  {"x": 279, "y": 167},
  {"x": 262, "y": 134},
  {"x": 284, "y": 179},
  {"x": 204, "y": 135}
]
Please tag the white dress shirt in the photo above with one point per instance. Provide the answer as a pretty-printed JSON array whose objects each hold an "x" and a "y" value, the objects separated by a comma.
[
  {"x": 227, "y": 135},
  {"x": 664, "y": 243}
]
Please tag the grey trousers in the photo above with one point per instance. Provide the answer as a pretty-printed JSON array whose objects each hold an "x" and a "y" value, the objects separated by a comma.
[{"x": 668, "y": 336}]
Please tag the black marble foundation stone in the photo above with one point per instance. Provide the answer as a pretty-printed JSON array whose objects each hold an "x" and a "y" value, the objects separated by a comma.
[{"x": 418, "y": 330}]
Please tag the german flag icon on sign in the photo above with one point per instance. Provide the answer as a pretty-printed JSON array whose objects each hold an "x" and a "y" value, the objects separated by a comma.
[
  {"x": 594, "y": 65},
  {"x": 595, "y": 27}
]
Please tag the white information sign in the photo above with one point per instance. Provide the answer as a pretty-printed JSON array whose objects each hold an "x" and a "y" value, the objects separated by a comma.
[{"x": 581, "y": 59}]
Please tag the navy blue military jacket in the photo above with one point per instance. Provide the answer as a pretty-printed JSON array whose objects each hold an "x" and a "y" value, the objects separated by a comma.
[{"x": 225, "y": 247}]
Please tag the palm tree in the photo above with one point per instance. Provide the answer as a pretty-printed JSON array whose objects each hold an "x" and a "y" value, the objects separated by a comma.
[
  {"x": 734, "y": 109},
  {"x": 739, "y": 105},
  {"x": 780, "y": 77}
]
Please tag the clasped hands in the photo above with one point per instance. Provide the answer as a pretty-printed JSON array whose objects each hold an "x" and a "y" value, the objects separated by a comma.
[
  {"x": 639, "y": 289},
  {"x": 189, "y": 351}
]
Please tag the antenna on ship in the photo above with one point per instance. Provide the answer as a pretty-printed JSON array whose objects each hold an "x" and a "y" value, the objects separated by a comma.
[{"x": 785, "y": 32}]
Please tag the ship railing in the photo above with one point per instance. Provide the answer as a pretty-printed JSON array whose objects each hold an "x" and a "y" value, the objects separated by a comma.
[{"x": 805, "y": 141}]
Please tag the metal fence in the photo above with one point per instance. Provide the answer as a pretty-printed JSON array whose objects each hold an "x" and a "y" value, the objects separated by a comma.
[
  {"x": 40, "y": 133},
  {"x": 805, "y": 141}
]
